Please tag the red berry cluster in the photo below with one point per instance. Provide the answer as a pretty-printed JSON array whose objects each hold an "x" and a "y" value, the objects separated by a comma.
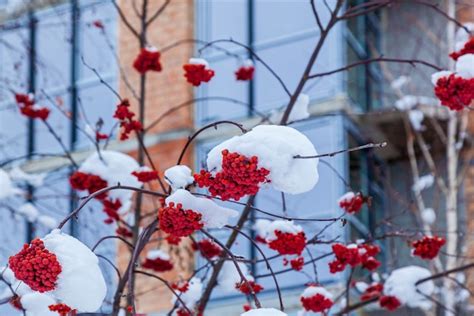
[
  {"x": 183, "y": 312},
  {"x": 111, "y": 210},
  {"x": 62, "y": 309},
  {"x": 29, "y": 109},
  {"x": 127, "y": 123},
  {"x": 124, "y": 232},
  {"x": 246, "y": 289},
  {"x": 352, "y": 205},
  {"x": 455, "y": 92},
  {"x": 353, "y": 256},
  {"x": 428, "y": 247},
  {"x": 467, "y": 49},
  {"x": 178, "y": 222},
  {"x": 197, "y": 73},
  {"x": 87, "y": 181},
  {"x": 240, "y": 176},
  {"x": 182, "y": 286},
  {"x": 390, "y": 303},
  {"x": 36, "y": 266},
  {"x": 373, "y": 291},
  {"x": 245, "y": 73},
  {"x": 317, "y": 303},
  {"x": 147, "y": 60},
  {"x": 288, "y": 243},
  {"x": 208, "y": 248},
  {"x": 158, "y": 265},
  {"x": 173, "y": 240},
  {"x": 296, "y": 264},
  {"x": 146, "y": 176},
  {"x": 246, "y": 307}
]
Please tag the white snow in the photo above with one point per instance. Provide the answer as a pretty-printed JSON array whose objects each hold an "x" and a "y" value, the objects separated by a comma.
[
  {"x": 407, "y": 102},
  {"x": 424, "y": 182},
  {"x": 7, "y": 275},
  {"x": 313, "y": 290},
  {"x": 157, "y": 253},
  {"x": 80, "y": 284},
  {"x": 346, "y": 197},
  {"x": 213, "y": 215},
  {"x": 465, "y": 66},
  {"x": 361, "y": 286},
  {"x": 6, "y": 185},
  {"x": 299, "y": 111},
  {"x": 229, "y": 276},
  {"x": 264, "y": 312},
  {"x": 35, "y": 180},
  {"x": 399, "y": 82},
  {"x": 428, "y": 216},
  {"x": 284, "y": 226},
  {"x": 437, "y": 75},
  {"x": 36, "y": 304},
  {"x": 29, "y": 211},
  {"x": 151, "y": 48},
  {"x": 47, "y": 221},
  {"x": 199, "y": 61},
  {"x": 462, "y": 36},
  {"x": 192, "y": 295},
  {"x": 178, "y": 177},
  {"x": 115, "y": 168},
  {"x": 401, "y": 284},
  {"x": 275, "y": 146},
  {"x": 248, "y": 63},
  {"x": 261, "y": 227},
  {"x": 416, "y": 119}
]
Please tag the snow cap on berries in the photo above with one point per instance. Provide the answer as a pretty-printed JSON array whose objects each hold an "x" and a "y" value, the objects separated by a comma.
[
  {"x": 316, "y": 299},
  {"x": 213, "y": 215},
  {"x": 264, "y": 312},
  {"x": 402, "y": 284},
  {"x": 178, "y": 177},
  {"x": 275, "y": 148}
]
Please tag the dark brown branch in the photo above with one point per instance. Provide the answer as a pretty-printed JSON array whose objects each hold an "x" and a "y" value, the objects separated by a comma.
[
  {"x": 124, "y": 19},
  {"x": 366, "y": 146},
  {"x": 158, "y": 12}
]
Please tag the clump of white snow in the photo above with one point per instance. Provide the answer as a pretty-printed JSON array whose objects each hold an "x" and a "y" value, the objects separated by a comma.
[
  {"x": 6, "y": 185},
  {"x": 213, "y": 215},
  {"x": 346, "y": 197},
  {"x": 462, "y": 36},
  {"x": 283, "y": 226},
  {"x": 275, "y": 146},
  {"x": 29, "y": 211},
  {"x": 416, "y": 118},
  {"x": 47, "y": 221},
  {"x": 199, "y": 61},
  {"x": 465, "y": 66},
  {"x": 178, "y": 177},
  {"x": 229, "y": 276},
  {"x": 80, "y": 284},
  {"x": 35, "y": 180},
  {"x": 423, "y": 183},
  {"x": 264, "y": 312},
  {"x": 401, "y": 284},
  {"x": 298, "y": 112},
  {"x": 36, "y": 304},
  {"x": 440, "y": 74},
  {"x": 157, "y": 253},
  {"x": 361, "y": 286},
  {"x": 399, "y": 82},
  {"x": 261, "y": 227},
  {"x": 428, "y": 216},
  {"x": 314, "y": 290},
  {"x": 115, "y": 168},
  {"x": 192, "y": 295}
]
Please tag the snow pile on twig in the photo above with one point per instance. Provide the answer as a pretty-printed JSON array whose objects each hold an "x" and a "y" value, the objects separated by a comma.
[
  {"x": 416, "y": 119},
  {"x": 423, "y": 183},
  {"x": 261, "y": 227},
  {"x": 276, "y": 148},
  {"x": 428, "y": 216},
  {"x": 462, "y": 36},
  {"x": 299, "y": 111},
  {"x": 115, "y": 168},
  {"x": 399, "y": 82},
  {"x": 465, "y": 66},
  {"x": 213, "y": 215},
  {"x": 29, "y": 211},
  {"x": 35, "y": 180},
  {"x": 401, "y": 284},
  {"x": 229, "y": 276},
  {"x": 264, "y": 312},
  {"x": 6, "y": 185},
  {"x": 192, "y": 295},
  {"x": 283, "y": 226},
  {"x": 178, "y": 177}
]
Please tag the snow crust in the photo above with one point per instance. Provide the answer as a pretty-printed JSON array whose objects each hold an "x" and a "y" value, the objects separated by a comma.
[
  {"x": 283, "y": 226},
  {"x": 115, "y": 168},
  {"x": 81, "y": 284},
  {"x": 275, "y": 146},
  {"x": 178, "y": 177},
  {"x": 264, "y": 312},
  {"x": 213, "y": 215},
  {"x": 401, "y": 284},
  {"x": 465, "y": 66},
  {"x": 313, "y": 290}
]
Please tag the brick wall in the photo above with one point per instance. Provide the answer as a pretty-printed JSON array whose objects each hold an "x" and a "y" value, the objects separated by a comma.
[{"x": 164, "y": 90}]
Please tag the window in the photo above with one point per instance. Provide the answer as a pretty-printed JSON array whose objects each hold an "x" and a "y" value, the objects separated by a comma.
[{"x": 283, "y": 34}]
